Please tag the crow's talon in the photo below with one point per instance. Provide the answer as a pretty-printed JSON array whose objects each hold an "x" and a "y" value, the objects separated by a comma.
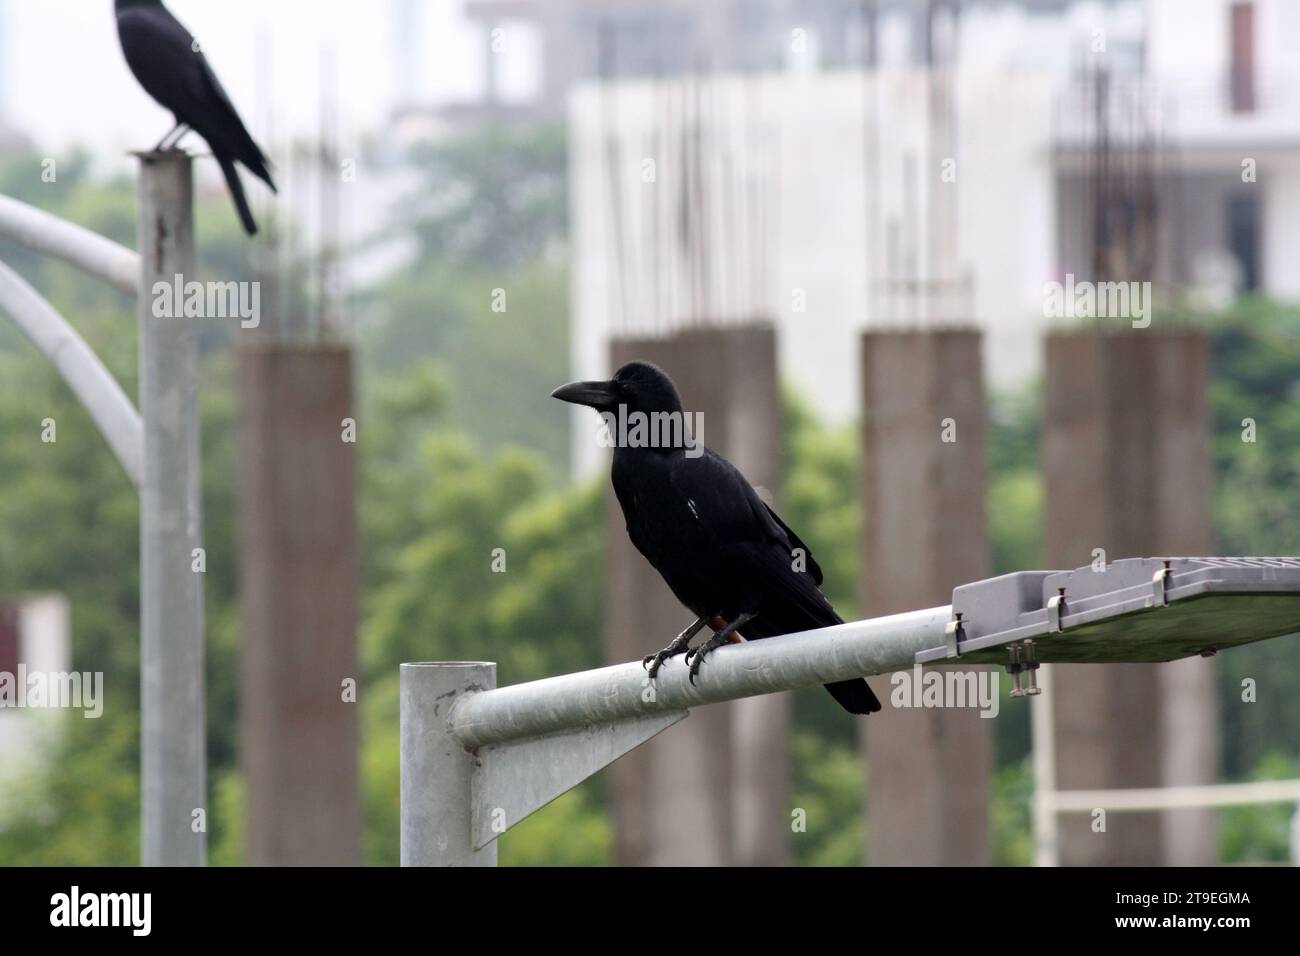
[
  {"x": 695, "y": 664},
  {"x": 695, "y": 656},
  {"x": 653, "y": 662},
  {"x": 679, "y": 644}
]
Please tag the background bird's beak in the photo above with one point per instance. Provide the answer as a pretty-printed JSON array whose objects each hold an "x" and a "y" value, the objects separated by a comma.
[{"x": 598, "y": 395}]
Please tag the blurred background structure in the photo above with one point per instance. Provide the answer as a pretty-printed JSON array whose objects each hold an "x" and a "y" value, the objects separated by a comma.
[
  {"x": 835, "y": 222},
  {"x": 33, "y": 631}
]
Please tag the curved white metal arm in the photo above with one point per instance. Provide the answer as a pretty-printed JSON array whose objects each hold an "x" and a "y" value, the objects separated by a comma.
[
  {"x": 80, "y": 367},
  {"x": 70, "y": 243}
]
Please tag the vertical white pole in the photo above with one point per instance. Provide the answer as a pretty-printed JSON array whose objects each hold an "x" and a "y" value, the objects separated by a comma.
[
  {"x": 173, "y": 749},
  {"x": 437, "y": 770},
  {"x": 1047, "y": 844}
]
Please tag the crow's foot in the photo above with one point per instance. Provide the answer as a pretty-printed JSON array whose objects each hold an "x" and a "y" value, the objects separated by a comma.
[
  {"x": 652, "y": 662},
  {"x": 695, "y": 656},
  {"x": 680, "y": 643}
]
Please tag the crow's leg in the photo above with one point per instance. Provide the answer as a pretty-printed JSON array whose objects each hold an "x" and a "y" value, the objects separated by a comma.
[
  {"x": 717, "y": 640},
  {"x": 679, "y": 643},
  {"x": 184, "y": 131},
  {"x": 179, "y": 131},
  {"x": 163, "y": 142}
]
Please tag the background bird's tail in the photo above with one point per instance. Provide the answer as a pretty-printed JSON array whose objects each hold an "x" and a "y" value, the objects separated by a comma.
[
  {"x": 804, "y": 608},
  {"x": 237, "y": 194}
]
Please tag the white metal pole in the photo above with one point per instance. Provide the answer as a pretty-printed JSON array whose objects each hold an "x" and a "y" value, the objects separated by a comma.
[
  {"x": 79, "y": 247},
  {"x": 1047, "y": 825},
  {"x": 437, "y": 770},
  {"x": 1194, "y": 797},
  {"x": 173, "y": 772},
  {"x": 876, "y": 646}
]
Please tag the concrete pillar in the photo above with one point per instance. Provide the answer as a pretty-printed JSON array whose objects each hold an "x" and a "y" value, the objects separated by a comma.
[
  {"x": 1126, "y": 458},
  {"x": 924, "y": 532},
  {"x": 298, "y": 572},
  {"x": 714, "y": 789}
]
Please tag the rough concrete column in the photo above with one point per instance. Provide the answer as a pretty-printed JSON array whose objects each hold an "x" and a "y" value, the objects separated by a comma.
[
  {"x": 298, "y": 571},
  {"x": 1127, "y": 465},
  {"x": 714, "y": 789},
  {"x": 924, "y": 532}
]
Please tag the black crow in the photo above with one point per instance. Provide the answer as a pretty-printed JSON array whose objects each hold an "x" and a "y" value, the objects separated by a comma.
[
  {"x": 725, "y": 554},
  {"x": 173, "y": 70}
]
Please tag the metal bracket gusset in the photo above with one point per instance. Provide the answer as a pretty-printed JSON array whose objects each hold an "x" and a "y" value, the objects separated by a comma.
[{"x": 515, "y": 778}]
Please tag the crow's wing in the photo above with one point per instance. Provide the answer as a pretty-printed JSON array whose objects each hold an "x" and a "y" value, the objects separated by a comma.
[
  {"x": 796, "y": 542},
  {"x": 731, "y": 510},
  {"x": 245, "y": 149},
  {"x": 161, "y": 54},
  {"x": 755, "y": 538}
]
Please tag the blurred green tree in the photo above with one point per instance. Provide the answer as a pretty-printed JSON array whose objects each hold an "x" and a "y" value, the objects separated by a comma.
[
  {"x": 1255, "y": 395},
  {"x": 495, "y": 199}
]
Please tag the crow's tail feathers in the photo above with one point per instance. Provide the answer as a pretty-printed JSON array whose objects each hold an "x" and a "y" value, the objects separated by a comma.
[
  {"x": 237, "y": 194},
  {"x": 260, "y": 167},
  {"x": 798, "y": 605},
  {"x": 854, "y": 696}
]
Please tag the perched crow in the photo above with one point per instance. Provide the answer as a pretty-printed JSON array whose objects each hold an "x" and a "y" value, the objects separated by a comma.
[
  {"x": 173, "y": 70},
  {"x": 725, "y": 554}
]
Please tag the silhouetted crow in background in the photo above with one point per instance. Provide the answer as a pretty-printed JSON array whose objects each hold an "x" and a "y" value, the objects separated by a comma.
[
  {"x": 165, "y": 59},
  {"x": 725, "y": 554}
]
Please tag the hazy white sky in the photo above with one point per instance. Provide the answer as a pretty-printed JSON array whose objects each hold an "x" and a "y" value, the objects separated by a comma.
[{"x": 64, "y": 80}]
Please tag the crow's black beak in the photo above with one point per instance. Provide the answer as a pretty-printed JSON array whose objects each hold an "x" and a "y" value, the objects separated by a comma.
[{"x": 598, "y": 395}]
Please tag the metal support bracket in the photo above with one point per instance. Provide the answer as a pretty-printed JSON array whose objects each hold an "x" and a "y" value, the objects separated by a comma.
[
  {"x": 1015, "y": 668},
  {"x": 1031, "y": 670},
  {"x": 1158, "y": 596},
  {"x": 1055, "y": 611},
  {"x": 518, "y": 777},
  {"x": 953, "y": 636}
]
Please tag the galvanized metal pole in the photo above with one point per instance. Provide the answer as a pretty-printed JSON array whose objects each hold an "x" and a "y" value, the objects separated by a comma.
[
  {"x": 1047, "y": 824},
  {"x": 437, "y": 770},
  {"x": 173, "y": 774},
  {"x": 555, "y": 704}
]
